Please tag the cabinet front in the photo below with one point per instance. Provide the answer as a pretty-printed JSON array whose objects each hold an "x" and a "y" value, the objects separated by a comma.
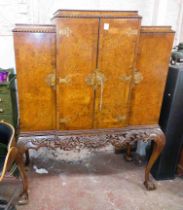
[
  {"x": 76, "y": 62},
  {"x": 117, "y": 50},
  {"x": 35, "y": 64}
]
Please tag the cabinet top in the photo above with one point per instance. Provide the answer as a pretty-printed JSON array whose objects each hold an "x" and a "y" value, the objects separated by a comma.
[
  {"x": 95, "y": 13},
  {"x": 34, "y": 28}
]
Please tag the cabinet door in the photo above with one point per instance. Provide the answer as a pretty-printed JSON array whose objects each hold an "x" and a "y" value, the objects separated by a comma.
[
  {"x": 35, "y": 63},
  {"x": 152, "y": 63},
  {"x": 76, "y": 61},
  {"x": 117, "y": 50}
]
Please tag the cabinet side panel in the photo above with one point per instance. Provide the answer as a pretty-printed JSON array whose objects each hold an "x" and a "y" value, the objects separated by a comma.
[
  {"x": 152, "y": 62},
  {"x": 35, "y": 63},
  {"x": 117, "y": 53},
  {"x": 76, "y": 61}
]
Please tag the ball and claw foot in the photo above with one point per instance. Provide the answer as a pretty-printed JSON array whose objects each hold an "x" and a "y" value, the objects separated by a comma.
[
  {"x": 149, "y": 185},
  {"x": 23, "y": 200},
  {"x": 128, "y": 158}
]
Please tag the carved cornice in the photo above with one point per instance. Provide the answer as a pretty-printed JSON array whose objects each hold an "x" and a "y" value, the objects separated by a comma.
[
  {"x": 95, "y": 14},
  {"x": 34, "y": 28}
]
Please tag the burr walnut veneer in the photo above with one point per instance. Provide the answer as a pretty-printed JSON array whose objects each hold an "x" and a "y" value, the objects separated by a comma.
[
  {"x": 35, "y": 64},
  {"x": 90, "y": 79}
]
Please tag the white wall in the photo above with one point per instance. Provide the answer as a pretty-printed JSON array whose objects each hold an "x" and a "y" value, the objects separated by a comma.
[
  {"x": 154, "y": 12},
  {"x": 6, "y": 52}
]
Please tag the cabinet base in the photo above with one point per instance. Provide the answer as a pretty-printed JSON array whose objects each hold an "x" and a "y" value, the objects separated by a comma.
[{"x": 92, "y": 139}]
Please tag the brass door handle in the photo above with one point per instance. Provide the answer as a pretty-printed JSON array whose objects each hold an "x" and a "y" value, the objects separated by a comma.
[
  {"x": 65, "y": 80},
  {"x": 100, "y": 77},
  {"x": 95, "y": 79}
]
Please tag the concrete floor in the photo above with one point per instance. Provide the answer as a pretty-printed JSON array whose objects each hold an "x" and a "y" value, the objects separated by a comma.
[
  {"x": 10, "y": 189},
  {"x": 97, "y": 180}
]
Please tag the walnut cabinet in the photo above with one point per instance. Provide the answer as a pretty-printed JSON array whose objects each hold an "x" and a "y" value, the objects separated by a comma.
[
  {"x": 91, "y": 79},
  {"x": 89, "y": 70}
]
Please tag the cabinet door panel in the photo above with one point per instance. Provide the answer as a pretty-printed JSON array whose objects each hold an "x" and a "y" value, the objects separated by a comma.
[
  {"x": 76, "y": 61},
  {"x": 35, "y": 61},
  {"x": 117, "y": 51},
  {"x": 152, "y": 62}
]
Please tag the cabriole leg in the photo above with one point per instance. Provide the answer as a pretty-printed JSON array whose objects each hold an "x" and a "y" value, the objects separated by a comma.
[
  {"x": 159, "y": 143},
  {"x": 128, "y": 155},
  {"x": 24, "y": 195}
]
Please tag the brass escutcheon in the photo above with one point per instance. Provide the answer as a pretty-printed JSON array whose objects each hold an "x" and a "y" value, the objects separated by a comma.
[
  {"x": 90, "y": 79},
  {"x": 138, "y": 77},
  {"x": 121, "y": 118},
  {"x": 125, "y": 78},
  {"x": 51, "y": 80},
  {"x": 63, "y": 120}
]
